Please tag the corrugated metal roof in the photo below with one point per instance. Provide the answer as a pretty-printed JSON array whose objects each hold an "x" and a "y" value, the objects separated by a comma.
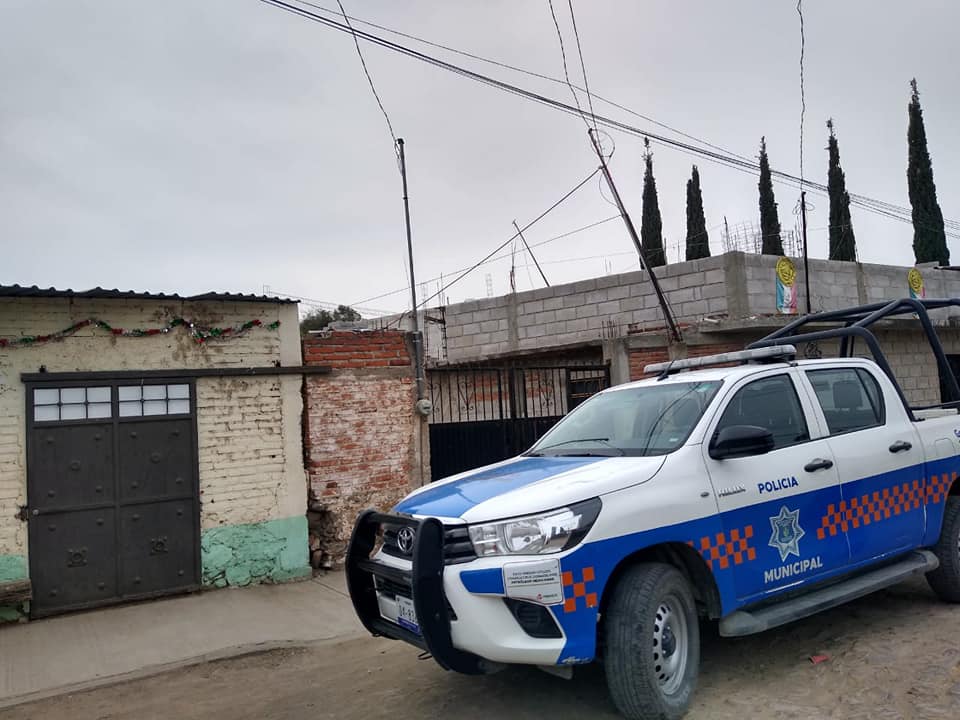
[{"x": 99, "y": 293}]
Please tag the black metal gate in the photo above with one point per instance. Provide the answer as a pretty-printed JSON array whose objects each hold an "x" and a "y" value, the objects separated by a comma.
[
  {"x": 482, "y": 415},
  {"x": 112, "y": 492}
]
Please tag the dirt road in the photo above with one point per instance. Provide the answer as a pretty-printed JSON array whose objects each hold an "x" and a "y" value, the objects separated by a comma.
[{"x": 895, "y": 654}]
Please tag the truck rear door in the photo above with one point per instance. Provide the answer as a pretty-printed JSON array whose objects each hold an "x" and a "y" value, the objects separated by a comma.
[
  {"x": 879, "y": 458},
  {"x": 772, "y": 504}
]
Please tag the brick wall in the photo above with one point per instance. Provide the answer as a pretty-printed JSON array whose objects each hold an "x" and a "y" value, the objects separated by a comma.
[
  {"x": 640, "y": 358},
  {"x": 241, "y": 442},
  {"x": 352, "y": 350},
  {"x": 363, "y": 440}
]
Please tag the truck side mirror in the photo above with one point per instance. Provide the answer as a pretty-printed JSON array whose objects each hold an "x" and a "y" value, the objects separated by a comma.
[{"x": 741, "y": 441}]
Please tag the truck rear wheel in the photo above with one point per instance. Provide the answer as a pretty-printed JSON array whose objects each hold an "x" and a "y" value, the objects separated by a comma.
[
  {"x": 652, "y": 643},
  {"x": 945, "y": 580}
]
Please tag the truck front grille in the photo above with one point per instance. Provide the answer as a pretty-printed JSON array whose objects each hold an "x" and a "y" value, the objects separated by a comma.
[{"x": 457, "y": 547}]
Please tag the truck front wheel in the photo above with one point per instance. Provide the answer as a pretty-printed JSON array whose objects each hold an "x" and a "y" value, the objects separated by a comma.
[
  {"x": 652, "y": 643},
  {"x": 945, "y": 580}
]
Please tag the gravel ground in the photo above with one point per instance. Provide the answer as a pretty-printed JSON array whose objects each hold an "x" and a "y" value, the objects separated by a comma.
[{"x": 894, "y": 654}]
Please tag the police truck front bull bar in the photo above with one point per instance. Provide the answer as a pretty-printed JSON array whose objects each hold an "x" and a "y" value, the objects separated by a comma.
[{"x": 425, "y": 580}]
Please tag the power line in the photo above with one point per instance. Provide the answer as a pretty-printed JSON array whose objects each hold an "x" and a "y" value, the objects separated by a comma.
[
  {"x": 523, "y": 71},
  {"x": 583, "y": 67},
  {"x": 363, "y": 64},
  {"x": 502, "y": 245},
  {"x": 803, "y": 101},
  {"x": 722, "y": 158},
  {"x": 858, "y": 200},
  {"x": 532, "y": 256},
  {"x": 566, "y": 74},
  {"x": 495, "y": 258},
  {"x": 522, "y": 92},
  {"x": 529, "y": 225},
  {"x": 326, "y": 305}
]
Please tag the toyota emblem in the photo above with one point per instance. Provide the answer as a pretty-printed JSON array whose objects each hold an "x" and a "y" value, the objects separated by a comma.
[{"x": 405, "y": 539}]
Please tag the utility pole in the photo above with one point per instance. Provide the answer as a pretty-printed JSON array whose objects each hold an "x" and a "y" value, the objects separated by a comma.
[
  {"x": 806, "y": 263},
  {"x": 417, "y": 338},
  {"x": 520, "y": 233},
  {"x": 667, "y": 315}
]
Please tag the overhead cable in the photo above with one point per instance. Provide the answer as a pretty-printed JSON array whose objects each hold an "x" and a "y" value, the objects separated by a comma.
[
  {"x": 366, "y": 71},
  {"x": 517, "y": 234},
  {"x": 495, "y": 258},
  {"x": 566, "y": 72},
  {"x": 583, "y": 67},
  {"x": 729, "y": 160}
]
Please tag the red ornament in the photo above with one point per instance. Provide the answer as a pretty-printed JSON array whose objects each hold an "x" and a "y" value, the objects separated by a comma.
[
  {"x": 257, "y": 323},
  {"x": 117, "y": 331}
]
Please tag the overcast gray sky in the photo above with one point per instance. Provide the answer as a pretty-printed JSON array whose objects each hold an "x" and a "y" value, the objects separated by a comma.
[{"x": 193, "y": 145}]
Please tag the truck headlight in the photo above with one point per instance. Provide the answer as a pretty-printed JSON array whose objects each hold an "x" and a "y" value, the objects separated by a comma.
[{"x": 544, "y": 533}]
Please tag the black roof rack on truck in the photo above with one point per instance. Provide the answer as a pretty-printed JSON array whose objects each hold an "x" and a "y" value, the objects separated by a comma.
[{"x": 856, "y": 322}]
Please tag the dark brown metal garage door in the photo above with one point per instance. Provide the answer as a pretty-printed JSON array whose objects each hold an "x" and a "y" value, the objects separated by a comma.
[{"x": 112, "y": 492}]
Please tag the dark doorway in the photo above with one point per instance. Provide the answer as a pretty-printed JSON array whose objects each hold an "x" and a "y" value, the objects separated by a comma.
[
  {"x": 484, "y": 414},
  {"x": 112, "y": 492}
]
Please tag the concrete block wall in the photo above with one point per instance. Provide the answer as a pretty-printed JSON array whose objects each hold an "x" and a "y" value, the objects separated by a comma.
[
  {"x": 835, "y": 285},
  {"x": 731, "y": 286},
  {"x": 365, "y": 445},
  {"x": 583, "y": 311},
  {"x": 250, "y": 446}
]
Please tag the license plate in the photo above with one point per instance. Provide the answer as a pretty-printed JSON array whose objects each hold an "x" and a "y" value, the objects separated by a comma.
[{"x": 406, "y": 615}]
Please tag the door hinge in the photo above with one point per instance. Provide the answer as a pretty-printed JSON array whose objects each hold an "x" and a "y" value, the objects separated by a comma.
[{"x": 23, "y": 514}]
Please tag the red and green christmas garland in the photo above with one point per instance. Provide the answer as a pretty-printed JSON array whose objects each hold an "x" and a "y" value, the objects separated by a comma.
[{"x": 199, "y": 333}]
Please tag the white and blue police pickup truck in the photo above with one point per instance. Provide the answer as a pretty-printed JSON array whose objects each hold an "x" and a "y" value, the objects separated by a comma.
[{"x": 752, "y": 493}]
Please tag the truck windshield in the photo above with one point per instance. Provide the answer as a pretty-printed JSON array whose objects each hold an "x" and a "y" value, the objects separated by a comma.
[{"x": 648, "y": 420}]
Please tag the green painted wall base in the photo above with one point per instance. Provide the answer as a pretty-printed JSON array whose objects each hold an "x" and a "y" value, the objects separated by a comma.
[
  {"x": 272, "y": 551},
  {"x": 12, "y": 567}
]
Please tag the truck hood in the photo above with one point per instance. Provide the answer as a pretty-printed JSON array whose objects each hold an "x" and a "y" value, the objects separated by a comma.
[{"x": 526, "y": 485}]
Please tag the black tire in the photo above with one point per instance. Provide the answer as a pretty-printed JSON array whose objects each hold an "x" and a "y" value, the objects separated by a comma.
[
  {"x": 945, "y": 580},
  {"x": 635, "y": 638}
]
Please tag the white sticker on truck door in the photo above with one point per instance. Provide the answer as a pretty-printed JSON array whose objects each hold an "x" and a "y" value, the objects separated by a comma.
[{"x": 537, "y": 582}]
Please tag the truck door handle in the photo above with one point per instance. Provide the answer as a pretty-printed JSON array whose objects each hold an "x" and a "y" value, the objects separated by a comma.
[
  {"x": 900, "y": 446},
  {"x": 818, "y": 464}
]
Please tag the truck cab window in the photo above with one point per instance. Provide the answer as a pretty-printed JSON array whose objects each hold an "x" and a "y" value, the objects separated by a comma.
[
  {"x": 850, "y": 398},
  {"x": 770, "y": 403}
]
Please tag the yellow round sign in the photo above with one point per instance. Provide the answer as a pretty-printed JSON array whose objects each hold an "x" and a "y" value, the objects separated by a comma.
[
  {"x": 786, "y": 271},
  {"x": 915, "y": 281}
]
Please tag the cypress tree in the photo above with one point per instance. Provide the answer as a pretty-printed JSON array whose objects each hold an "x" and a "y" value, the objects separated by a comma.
[
  {"x": 651, "y": 226},
  {"x": 843, "y": 246},
  {"x": 929, "y": 238},
  {"x": 698, "y": 243},
  {"x": 769, "y": 220}
]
